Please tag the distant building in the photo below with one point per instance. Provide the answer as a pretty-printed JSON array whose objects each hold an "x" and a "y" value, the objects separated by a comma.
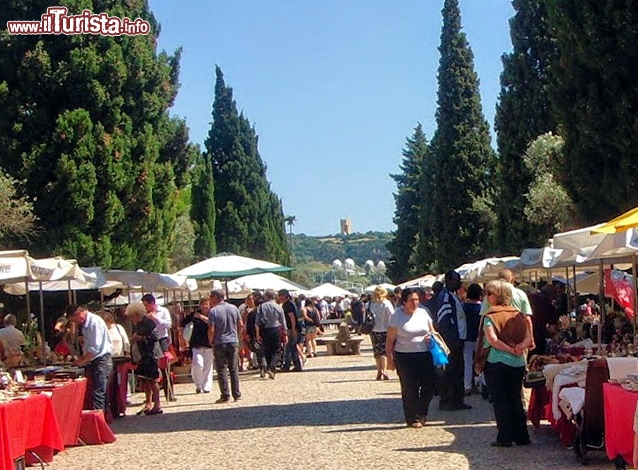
[{"x": 346, "y": 226}]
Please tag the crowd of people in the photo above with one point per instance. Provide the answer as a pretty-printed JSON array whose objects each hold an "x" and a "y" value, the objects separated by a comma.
[{"x": 487, "y": 332}]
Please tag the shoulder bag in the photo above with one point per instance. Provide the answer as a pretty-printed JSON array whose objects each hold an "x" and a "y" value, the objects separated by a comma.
[{"x": 368, "y": 322}]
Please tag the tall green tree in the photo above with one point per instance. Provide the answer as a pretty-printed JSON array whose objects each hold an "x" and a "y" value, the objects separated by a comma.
[
  {"x": 462, "y": 220},
  {"x": 86, "y": 125},
  {"x": 249, "y": 218},
  {"x": 407, "y": 199},
  {"x": 203, "y": 211},
  {"x": 596, "y": 102},
  {"x": 523, "y": 113}
]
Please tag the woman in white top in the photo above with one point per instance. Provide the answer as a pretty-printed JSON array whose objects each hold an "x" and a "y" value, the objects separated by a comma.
[
  {"x": 382, "y": 309},
  {"x": 408, "y": 350},
  {"x": 119, "y": 338}
]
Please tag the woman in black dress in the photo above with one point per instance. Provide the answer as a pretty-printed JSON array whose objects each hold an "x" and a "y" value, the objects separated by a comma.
[{"x": 145, "y": 339}]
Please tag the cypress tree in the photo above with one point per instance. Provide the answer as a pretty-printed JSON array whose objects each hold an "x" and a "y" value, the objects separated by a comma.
[
  {"x": 249, "y": 218},
  {"x": 461, "y": 218},
  {"x": 86, "y": 126},
  {"x": 596, "y": 103},
  {"x": 203, "y": 209},
  {"x": 522, "y": 114},
  {"x": 408, "y": 200}
]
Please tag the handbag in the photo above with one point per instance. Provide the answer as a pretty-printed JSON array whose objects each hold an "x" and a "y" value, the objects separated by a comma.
[
  {"x": 187, "y": 333},
  {"x": 439, "y": 356},
  {"x": 136, "y": 356},
  {"x": 439, "y": 339},
  {"x": 368, "y": 322}
]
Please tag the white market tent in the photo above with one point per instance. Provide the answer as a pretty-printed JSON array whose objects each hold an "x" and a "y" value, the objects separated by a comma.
[
  {"x": 329, "y": 290},
  {"x": 226, "y": 266},
  {"x": 87, "y": 278},
  {"x": 149, "y": 281},
  {"x": 581, "y": 242},
  {"x": 423, "y": 281},
  {"x": 16, "y": 266},
  {"x": 615, "y": 245},
  {"x": 485, "y": 269},
  {"x": 385, "y": 285},
  {"x": 229, "y": 266},
  {"x": 246, "y": 284}
]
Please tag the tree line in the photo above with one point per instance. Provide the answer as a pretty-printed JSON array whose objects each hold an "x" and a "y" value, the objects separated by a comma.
[
  {"x": 565, "y": 132},
  {"x": 105, "y": 174}
]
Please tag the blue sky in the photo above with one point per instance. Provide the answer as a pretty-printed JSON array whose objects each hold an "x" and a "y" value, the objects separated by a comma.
[{"x": 333, "y": 87}]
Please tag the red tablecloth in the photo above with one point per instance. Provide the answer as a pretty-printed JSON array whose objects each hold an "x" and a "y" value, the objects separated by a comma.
[
  {"x": 540, "y": 407},
  {"x": 620, "y": 406},
  {"x": 94, "y": 430},
  {"x": 67, "y": 403},
  {"x": 27, "y": 424}
]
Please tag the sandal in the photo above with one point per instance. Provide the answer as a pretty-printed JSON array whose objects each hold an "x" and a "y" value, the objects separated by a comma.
[
  {"x": 154, "y": 411},
  {"x": 142, "y": 411}
]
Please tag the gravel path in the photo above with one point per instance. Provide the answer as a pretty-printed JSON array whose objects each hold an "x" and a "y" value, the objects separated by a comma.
[{"x": 335, "y": 415}]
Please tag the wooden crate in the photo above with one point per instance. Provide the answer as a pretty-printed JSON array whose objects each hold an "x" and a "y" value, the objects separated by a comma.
[{"x": 182, "y": 374}]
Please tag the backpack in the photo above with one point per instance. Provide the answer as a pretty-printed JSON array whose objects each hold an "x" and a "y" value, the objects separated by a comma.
[{"x": 368, "y": 322}]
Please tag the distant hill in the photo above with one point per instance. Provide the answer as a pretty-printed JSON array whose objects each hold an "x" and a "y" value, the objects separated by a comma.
[{"x": 358, "y": 246}]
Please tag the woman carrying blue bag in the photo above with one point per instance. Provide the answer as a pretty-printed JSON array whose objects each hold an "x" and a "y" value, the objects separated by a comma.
[{"x": 408, "y": 351}]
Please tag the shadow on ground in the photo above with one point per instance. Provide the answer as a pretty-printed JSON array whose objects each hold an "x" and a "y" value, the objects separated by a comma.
[
  {"x": 472, "y": 441},
  {"x": 228, "y": 417}
]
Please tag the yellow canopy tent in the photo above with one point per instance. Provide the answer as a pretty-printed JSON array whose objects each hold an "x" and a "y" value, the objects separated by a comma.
[{"x": 623, "y": 222}]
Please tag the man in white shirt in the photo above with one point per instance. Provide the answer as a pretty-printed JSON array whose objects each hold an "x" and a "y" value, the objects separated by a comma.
[
  {"x": 97, "y": 352},
  {"x": 12, "y": 339},
  {"x": 162, "y": 318}
]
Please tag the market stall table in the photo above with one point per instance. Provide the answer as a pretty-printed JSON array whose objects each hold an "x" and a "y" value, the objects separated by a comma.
[
  {"x": 67, "y": 401},
  {"x": 620, "y": 405},
  {"x": 28, "y": 425}
]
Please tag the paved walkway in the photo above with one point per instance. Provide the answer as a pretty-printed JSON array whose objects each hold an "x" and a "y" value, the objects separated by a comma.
[{"x": 335, "y": 415}]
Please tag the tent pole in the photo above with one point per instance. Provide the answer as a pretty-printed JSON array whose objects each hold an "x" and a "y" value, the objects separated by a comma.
[
  {"x": 633, "y": 272},
  {"x": 44, "y": 350},
  {"x": 601, "y": 299},
  {"x": 568, "y": 288},
  {"x": 26, "y": 288},
  {"x": 68, "y": 291},
  {"x": 576, "y": 300}
]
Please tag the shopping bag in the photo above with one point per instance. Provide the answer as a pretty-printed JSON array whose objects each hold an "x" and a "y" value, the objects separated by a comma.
[
  {"x": 439, "y": 357},
  {"x": 188, "y": 331}
]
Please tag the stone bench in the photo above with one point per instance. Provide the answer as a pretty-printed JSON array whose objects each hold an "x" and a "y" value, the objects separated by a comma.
[{"x": 339, "y": 348}]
